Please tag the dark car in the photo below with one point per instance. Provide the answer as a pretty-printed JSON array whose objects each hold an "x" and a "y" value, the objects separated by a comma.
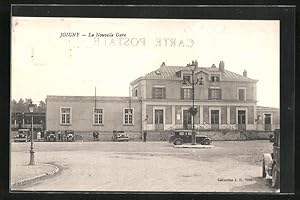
[
  {"x": 271, "y": 161},
  {"x": 120, "y": 136},
  {"x": 178, "y": 137},
  {"x": 69, "y": 136},
  {"x": 50, "y": 136},
  {"x": 22, "y": 135}
]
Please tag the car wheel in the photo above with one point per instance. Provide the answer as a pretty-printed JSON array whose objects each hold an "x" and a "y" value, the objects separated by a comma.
[
  {"x": 178, "y": 142},
  {"x": 263, "y": 169},
  {"x": 206, "y": 142},
  {"x": 275, "y": 177}
]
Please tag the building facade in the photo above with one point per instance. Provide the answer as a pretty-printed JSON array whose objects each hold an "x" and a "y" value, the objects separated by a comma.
[
  {"x": 160, "y": 101},
  {"x": 86, "y": 114}
]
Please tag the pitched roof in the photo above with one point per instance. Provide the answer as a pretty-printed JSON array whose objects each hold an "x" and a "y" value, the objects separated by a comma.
[
  {"x": 266, "y": 108},
  {"x": 169, "y": 72}
]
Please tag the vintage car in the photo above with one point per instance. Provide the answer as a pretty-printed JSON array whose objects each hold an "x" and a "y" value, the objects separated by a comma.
[
  {"x": 69, "y": 136},
  {"x": 119, "y": 136},
  {"x": 50, "y": 136},
  {"x": 271, "y": 162},
  {"x": 22, "y": 135},
  {"x": 178, "y": 137}
]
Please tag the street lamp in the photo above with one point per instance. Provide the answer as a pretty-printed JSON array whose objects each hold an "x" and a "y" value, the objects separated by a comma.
[
  {"x": 193, "y": 110},
  {"x": 31, "y": 162}
]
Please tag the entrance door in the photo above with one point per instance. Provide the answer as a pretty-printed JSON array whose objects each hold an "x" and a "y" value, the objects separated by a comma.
[
  {"x": 267, "y": 122},
  {"x": 159, "y": 119},
  {"x": 187, "y": 120},
  {"x": 214, "y": 119},
  {"x": 241, "y": 120}
]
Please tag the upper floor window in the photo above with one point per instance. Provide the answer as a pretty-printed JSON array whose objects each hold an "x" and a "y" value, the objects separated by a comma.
[
  {"x": 98, "y": 116},
  {"x": 186, "y": 93},
  {"x": 128, "y": 116},
  {"x": 214, "y": 78},
  {"x": 158, "y": 93},
  {"x": 135, "y": 92},
  {"x": 65, "y": 114},
  {"x": 214, "y": 94},
  {"x": 187, "y": 78},
  {"x": 242, "y": 94}
]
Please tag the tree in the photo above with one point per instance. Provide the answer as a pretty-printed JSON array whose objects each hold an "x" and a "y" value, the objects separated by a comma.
[
  {"x": 22, "y": 106},
  {"x": 41, "y": 107},
  {"x": 13, "y": 105}
]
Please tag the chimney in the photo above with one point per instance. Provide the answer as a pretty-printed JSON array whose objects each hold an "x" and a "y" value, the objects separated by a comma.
[
  {"x": 213, "y": 66},
  {"x": 163, "y": 64},
  {"x": 196, "y": 63},
  {"x": 221, "y": 66},
  {"x": 245, "y": 73}
]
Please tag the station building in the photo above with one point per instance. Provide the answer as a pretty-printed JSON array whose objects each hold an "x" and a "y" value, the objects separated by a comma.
[{"x": 160, "y": 101}]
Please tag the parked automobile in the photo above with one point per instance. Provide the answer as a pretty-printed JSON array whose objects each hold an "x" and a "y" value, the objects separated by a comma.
[
  {"x": 178, "y": 137},
  {"x": 271, "y": 162},
  {"x": 120, "y": 136},
  {"x": 22, "y": 135},
  {"x": 69, "y": 136},
  {"x": 50, "y": 136}
]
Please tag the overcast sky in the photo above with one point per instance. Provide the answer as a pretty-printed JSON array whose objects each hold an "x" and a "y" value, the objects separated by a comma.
[{"x": 45, "y": 62}]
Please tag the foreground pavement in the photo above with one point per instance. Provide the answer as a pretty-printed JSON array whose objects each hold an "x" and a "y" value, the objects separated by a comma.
[{"x": 151, "y": 166}]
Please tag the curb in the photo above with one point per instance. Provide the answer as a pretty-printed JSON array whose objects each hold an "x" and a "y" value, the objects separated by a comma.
[
  {"x": 200, "y": 146},
  {"x": 27, "y": 180}
]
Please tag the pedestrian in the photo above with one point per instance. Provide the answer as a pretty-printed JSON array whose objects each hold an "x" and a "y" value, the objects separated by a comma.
[
  {"x": 59, "y": 136},
  {"x": 145, "y": 136},
  {"x": 38, "y": 136}
]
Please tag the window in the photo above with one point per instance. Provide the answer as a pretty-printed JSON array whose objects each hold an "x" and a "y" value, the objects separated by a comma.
[
  {"x": 65, "y": 115},
  {"x": 98, "y": 116},
  {"x": 187, "y": 78},
  {"x": 186, "y": 93},
  {"x": 214, "y": 118},
  {"x": 242, "y": 94},
  {"x": 214, "y": 78},
  {"x": 267, "y": 121},
  {"x": 241, "y": 120},
  {"x": 159, "y": 93},
  {"x": 214, "y": 94},
  {"x": 128, "y": 116},
  {"x": 136, "y": 92}
]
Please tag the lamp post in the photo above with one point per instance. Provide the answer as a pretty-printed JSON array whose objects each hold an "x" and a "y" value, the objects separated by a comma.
[
  {"x": 193, "y": 110},
  {"x": 31, "y": 162}
]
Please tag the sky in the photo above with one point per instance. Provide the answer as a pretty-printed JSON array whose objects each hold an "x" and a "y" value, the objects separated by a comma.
[{"x": 48, "y": 60}]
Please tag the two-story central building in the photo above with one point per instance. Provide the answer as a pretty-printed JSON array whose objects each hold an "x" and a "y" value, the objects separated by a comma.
[
  {"x": 160, "y": 101},
  {"x": 224, "y": 100}
]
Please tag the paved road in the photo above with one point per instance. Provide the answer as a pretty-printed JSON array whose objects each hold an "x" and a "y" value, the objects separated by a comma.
[{"x": 152, "y": 166}]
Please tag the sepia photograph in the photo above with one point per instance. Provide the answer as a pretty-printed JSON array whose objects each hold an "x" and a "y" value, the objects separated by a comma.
[{"x": 144, "y": 105}]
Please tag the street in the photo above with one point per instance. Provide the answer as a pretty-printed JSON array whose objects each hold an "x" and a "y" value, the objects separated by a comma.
[{"x": 231, "y": 166}]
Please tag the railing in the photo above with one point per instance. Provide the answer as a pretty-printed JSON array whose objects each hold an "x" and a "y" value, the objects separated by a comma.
[
  {"x": 205, "y": 126},
  {"x": 268, "y": 127},
  {"x": 159, "y": 126},
  {"x": 241, "y": 126}
]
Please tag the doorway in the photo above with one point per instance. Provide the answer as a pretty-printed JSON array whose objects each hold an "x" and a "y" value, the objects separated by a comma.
[{"x": 159, "y": 119}]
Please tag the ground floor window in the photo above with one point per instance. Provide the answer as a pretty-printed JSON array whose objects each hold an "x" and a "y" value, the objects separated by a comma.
[
  {"x": 65, "y": 115},
  {"x": 241, "y": 119},
  {"x": 267, "y": 121},
  {"x": 128, "y": 116},
  {"x": 214, "y": 118},
  {"x": 159, "y": 119},
  {"x": 187, "y": 119},
  {"x": 98, "y": 116}
]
